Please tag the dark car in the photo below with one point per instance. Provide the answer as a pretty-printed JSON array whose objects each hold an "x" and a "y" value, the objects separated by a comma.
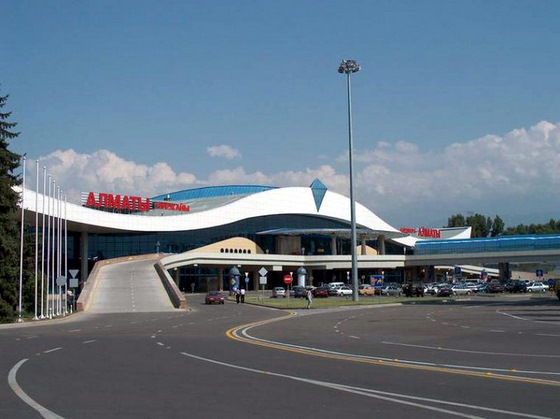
[
  {"x": 415, "y": 289},
  {"x": 214, "y": 297},
  {"x": 320, "y": 292},
  {"x": 298, "y": 292},
  {"x": 516, "y": 286},
  {"x": 495, "y": 287},
  {"x": 444, "y": 291}
]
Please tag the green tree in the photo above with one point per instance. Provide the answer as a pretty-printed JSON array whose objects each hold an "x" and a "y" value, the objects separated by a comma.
[
  {"x": 497, "y": 226},
  {"x": 9, "y": 229},
  {"x": 480, "y": 225},
  {"x": 457, "y": 220}
]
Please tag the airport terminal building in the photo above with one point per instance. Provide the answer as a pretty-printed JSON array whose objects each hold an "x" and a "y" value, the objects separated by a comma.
[{"x": 205, "y": 231}]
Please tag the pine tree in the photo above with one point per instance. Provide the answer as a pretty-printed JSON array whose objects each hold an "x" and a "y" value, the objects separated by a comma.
[{"x": 9, "y": 227}]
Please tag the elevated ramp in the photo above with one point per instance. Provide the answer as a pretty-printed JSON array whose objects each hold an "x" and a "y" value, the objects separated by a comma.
[{"x": 129, "y": 287}]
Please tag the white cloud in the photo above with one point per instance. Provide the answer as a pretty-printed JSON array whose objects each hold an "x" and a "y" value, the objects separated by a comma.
[
  {"x": 224, "y": 151},
  {"x": 518, "y": 172},
  {"x": 104, "y": 171}
]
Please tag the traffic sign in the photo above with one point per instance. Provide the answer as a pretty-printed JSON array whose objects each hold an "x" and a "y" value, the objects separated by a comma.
[
  {"x": 61, "y": 280},
  {"x": 288, "y": 279},
  {"x": 263, "y": 271}
]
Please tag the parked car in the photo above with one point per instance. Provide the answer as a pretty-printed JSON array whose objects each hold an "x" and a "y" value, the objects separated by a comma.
[
  {"x": 344, "y": 291},
  {"x": 366, "y": 289},
  {"x": 214, "y": 297},
  {"x": 432, "y": 287},
  {"x": 298, "y": 292},
  {"x": 444, "y": 291},
  {"x": 494, "y": 287},
  {"x": 516, "y": 286},
  {"x": 392, "y": 290},
  {"x": 537, "y": 287},
  {"x": 473, "y": 286},
  {"x": 278, "y": 292},
  {"x": 320, "y": 292},
  {"x": 461, "y": 289},
  {"x": 415, "y": 289}
]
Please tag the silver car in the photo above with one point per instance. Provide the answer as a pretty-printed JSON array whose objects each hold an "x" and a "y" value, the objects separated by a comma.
[{"x": 391, "y": 290}]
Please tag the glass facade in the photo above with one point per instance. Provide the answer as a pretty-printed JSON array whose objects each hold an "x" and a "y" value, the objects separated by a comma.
[
  {"x": 104, "y": 246},
  {"x": 488, "y": 245}
]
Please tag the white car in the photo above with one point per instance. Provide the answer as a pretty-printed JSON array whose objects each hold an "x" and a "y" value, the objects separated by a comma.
[
  {"x": 343, "y": 290},
  {"x": 537, "y": 287},
  {"x": 461, "y": 289},
  {"x": 278, "y": 292}
]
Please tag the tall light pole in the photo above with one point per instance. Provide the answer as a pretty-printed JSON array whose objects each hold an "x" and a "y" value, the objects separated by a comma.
[{"x": 348, "y": 67}]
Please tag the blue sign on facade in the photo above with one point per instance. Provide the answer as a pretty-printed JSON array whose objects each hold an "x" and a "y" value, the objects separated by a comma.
[
  {"x": 539, "y": 273},
  {"x": 457, "y": 270}
]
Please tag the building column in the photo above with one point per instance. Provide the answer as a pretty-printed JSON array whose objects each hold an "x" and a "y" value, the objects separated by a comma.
[
  {"x": 220, "y": 278},
  {"x": 381, "y": 244},
  {"x": 84, "y": 256},
  {"x": 505, "y": 273},
  {"x": 333, "y": 245},
  {"x": 363, "y": 249}
]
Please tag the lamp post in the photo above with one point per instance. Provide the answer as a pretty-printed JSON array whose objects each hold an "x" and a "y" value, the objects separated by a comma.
[{"x": 348, "y": 67}]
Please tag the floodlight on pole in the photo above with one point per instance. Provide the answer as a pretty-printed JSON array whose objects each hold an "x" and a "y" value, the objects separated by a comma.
[{"x": 348, "y": 67}]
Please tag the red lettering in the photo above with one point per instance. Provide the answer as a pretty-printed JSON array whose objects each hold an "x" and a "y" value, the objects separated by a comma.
[
  {"x": 91, "y": 200},
  {"x": 103, "y": 200},
  {"x": 144, "y": 206}
]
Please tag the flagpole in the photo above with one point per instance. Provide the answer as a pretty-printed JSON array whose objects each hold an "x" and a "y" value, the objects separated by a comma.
[
  {"x": 36, "y": 233},
  {"x": 53, "y": 272},
  {"x": 43, "y": 244},
  {"x": 21, "y": 244},
  {"x": 49, "y": 303}
]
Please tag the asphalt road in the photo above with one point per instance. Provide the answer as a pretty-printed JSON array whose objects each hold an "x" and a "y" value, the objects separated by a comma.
[{"x": 481, "y": 357}]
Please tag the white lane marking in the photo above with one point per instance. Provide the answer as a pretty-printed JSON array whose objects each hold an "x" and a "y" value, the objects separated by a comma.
[
  {"x": 31, "y": 337},
  {"x": 74, "y": 330},
  {"x": 439, "y": 348},
  {"x": 245, "y": 333},
  {"x": 497, "y": 331},
  {"x": 43, "y": 411},
  {"x": 88, "y": 341},
  {"x": 511, "y": 315},
  {"x": 548, "y": 335},
  {"x": 52, "y": 350},
  {"x": 377, "y": 394},
  {"x": 354, "y": 337},
  {"x": 160, "y": 344}
]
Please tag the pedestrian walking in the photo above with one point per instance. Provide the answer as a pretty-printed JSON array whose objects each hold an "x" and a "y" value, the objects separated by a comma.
[
  {"x": 309, "y": 299},
  {"x": 242, "y": 292},
  {"x": 237, "y": 296}
]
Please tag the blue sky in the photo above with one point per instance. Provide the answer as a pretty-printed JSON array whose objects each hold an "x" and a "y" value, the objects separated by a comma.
[{"x": 456, "y": 110}]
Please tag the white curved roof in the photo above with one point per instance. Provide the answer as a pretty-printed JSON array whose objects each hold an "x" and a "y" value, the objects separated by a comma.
[{"x": 280, "y": 201}]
